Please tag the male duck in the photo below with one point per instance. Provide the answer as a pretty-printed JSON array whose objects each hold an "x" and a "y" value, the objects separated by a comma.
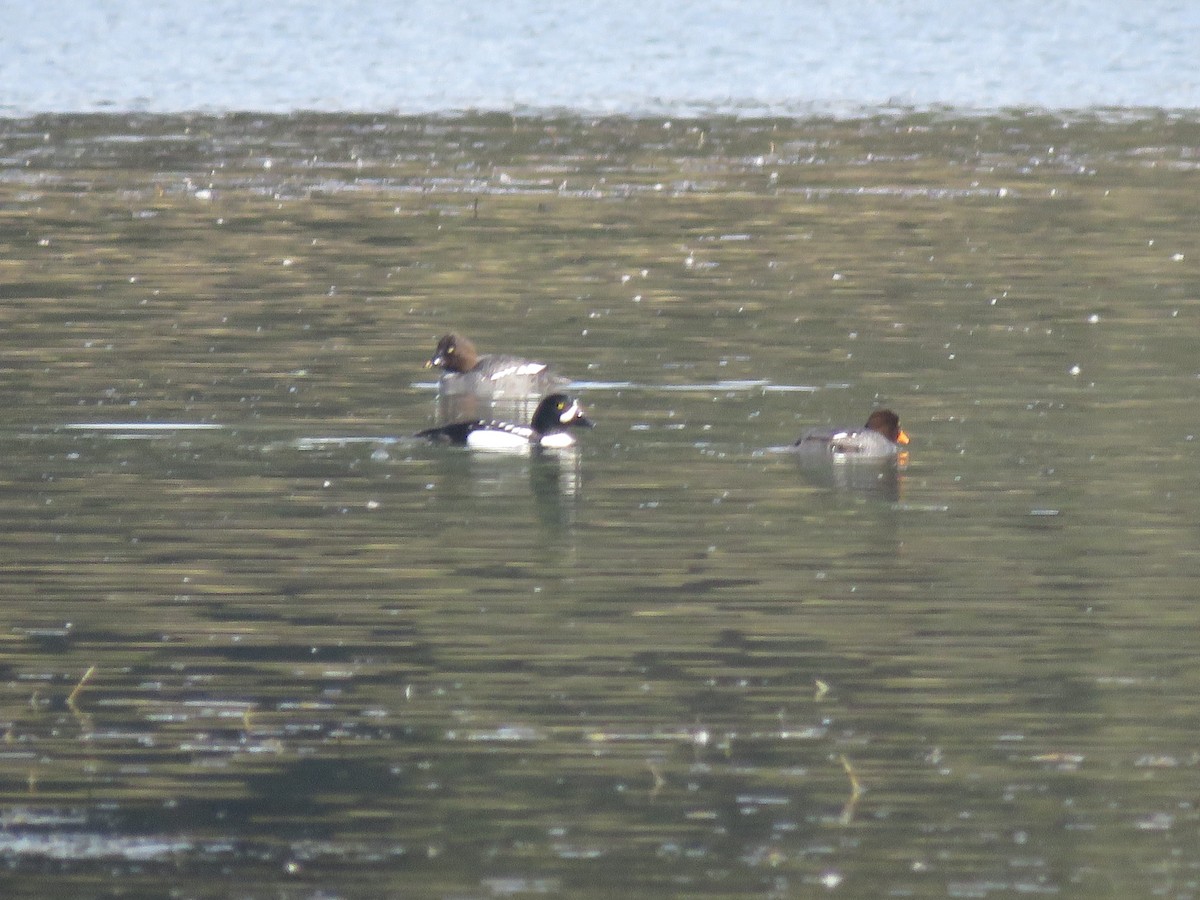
[
  {"x": 880, "y": 439},
  {"x": 549, "y": 429},
  {"x": 492, "y": 376}
]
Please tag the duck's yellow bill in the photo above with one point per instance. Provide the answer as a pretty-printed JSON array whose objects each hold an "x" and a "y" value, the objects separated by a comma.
[{"x": 903, "y": 437}]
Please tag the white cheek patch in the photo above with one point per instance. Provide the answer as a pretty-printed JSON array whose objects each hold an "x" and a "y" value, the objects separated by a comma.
[
  {"x": 522, "y": 369},
  {"x": 570, "y": 414}
]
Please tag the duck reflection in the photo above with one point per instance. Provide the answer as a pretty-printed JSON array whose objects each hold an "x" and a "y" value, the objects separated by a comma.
[
  {"x": 553, "y": 480},
  {"x": 882, "y": 478},
  {"x": 556, "y": 480}
]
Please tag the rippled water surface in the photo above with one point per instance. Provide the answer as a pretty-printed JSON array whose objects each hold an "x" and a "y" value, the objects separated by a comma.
[{"x": 257, "y": 643}]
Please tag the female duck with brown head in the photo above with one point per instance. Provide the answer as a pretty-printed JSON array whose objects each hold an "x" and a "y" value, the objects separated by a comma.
[{"x": 491, "y": 376}]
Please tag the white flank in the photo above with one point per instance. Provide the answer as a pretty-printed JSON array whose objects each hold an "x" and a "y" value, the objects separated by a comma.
[
  {"x": 499, "y": 441},
  {"x": 522, "y": 369}
]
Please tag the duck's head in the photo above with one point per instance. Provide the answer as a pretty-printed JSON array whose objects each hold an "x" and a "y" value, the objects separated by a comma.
[
  {"x": 558, "y": 412},
  {"x": 887, "y": 423},
  {"x": 454, "y": 353}
]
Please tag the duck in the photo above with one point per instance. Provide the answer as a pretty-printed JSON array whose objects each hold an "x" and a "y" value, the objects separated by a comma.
[
  {"x": 465, "y": 372},
  {"x": 881, "y": 438},
  {"x": 549, "y": 429}
]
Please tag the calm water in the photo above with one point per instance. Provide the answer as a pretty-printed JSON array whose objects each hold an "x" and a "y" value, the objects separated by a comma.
[
  {"x": 291, "y": 654},
  {"x": 700, "y": 58}
]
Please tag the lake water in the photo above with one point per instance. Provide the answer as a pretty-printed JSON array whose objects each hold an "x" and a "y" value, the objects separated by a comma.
[
  {"x": 648, "y": 57},
  {"x": 258, "y": 644}
]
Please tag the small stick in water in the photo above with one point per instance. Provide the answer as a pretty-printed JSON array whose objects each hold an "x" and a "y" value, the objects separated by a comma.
[
  {"x": 856, "y": 791},
  {"x": 79, "y": 687}
]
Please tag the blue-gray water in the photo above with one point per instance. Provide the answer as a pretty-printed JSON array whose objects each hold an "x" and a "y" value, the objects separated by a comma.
[{"x": 613, "y": 57}]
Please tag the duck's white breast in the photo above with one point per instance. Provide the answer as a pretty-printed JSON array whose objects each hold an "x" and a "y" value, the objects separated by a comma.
[{"x": 557, "y": 440}]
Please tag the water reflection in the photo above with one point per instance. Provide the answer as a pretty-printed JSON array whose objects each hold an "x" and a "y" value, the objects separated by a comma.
[
  {"x": 883, "y": 478},
  {"x": 494, "y": 491}
]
